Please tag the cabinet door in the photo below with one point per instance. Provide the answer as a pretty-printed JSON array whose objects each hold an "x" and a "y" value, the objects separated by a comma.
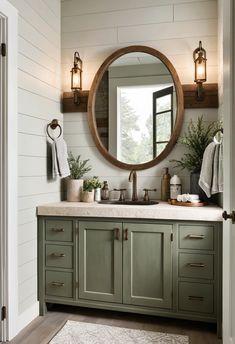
[
  {"x": 100, "y": 261},
  {"x": 147, "y": 265}
]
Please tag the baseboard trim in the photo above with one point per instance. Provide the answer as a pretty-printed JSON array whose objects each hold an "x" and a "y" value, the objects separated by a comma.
[{"x": 27, "y": 316}]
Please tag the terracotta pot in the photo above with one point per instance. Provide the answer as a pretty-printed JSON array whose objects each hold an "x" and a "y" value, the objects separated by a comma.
[
  {"x": 74, "y": 190},
  {"x": 88, "y": 196}
]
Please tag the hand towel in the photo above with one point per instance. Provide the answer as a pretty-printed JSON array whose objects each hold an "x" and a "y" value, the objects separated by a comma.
[
  {"x": 206, "y": 175},
  {"x": 215, "y": 178},
  {"x": 220, "y": 172},
  {"x": 55, "y": 171},
  {"x": 60, "y": 164}
]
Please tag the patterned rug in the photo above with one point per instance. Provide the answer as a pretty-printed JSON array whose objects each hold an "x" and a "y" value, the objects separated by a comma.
[{"x": 74, "y": 332}]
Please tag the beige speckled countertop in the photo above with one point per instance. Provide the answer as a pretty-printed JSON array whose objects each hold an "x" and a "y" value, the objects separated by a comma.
[{"x": 161, "y": 211}]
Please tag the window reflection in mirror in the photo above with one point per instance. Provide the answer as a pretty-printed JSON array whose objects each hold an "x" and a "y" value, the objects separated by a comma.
[{"x": 135, "y": 108}]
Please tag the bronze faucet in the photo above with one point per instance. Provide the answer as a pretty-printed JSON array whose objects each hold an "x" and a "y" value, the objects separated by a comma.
[{"x": 133, "y": 179}]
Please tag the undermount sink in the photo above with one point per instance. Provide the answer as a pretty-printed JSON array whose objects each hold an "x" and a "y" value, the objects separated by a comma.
[{"x": 129, "y": 202}]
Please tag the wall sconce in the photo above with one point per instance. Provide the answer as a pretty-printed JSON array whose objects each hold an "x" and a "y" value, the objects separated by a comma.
[
  {"x": 199, "y": 56},
  {"x": 76, "y": 77}
]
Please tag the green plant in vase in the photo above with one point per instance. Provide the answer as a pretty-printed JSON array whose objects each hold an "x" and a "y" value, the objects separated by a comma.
[
  {"x": 89, "y": 188},
  {"x": 78, "y": 168},
  {"x": 196, "y": 139}
]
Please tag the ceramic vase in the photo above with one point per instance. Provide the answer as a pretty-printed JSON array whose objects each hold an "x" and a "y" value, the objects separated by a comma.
[
  {"x": 74, "y": 190},
  {"x": 88, "y": 196}
]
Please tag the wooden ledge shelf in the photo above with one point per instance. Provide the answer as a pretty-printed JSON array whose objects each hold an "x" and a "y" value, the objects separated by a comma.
[
  {"x": 68, "y": 103},
  {"x": 190, "y": 102},
  {"x": 210, "y": 100}
]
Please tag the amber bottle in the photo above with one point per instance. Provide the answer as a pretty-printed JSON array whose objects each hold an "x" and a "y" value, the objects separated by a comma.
[{"x": 165, "y": 185}]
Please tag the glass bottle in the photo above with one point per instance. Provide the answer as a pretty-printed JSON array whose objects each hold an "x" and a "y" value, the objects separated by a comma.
[
  {"x": 165, "y": 185},
  {"x": 105, "y": 191}
]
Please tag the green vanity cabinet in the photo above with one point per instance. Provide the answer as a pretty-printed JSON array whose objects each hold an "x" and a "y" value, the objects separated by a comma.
[
  {"x": 116, "y": 260},
  {"x": 57, "y": 257},
  {"x": 100, "y": 261},
  {"x": 147, "y": 264},
  {"x": 156, "y": 267},
  {"x": 199, "y": 270}
]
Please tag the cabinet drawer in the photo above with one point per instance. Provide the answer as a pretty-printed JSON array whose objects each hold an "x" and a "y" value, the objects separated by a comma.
[
  {"x": 196, "y": 237},
  {"x": 196, "y": 297},
  {"x": 196, "y": 265},
  {"x": 59, "y": 230},
  {"x": 59, "y": 256},
  {"x": 59, "y": 284}
]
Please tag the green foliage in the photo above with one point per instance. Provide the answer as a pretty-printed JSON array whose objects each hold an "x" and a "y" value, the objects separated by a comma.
[
  {"x": 90, "y": 184},
  {"x": 96, "y": 182},
  {"x": 128, "y": 128},
  {"x": 196, "y": 140},
  {"x": 137, "y": 147},
  {"x": 77, "y": 167}
]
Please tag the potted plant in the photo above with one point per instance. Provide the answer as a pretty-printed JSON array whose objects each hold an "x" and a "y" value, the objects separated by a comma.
[
  {"x": 196, "y": 139},
  {"x": 89, "y": 186},
  {"x": 78, "y": 168}
]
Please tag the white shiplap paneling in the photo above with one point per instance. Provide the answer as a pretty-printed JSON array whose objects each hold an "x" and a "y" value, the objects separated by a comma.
[
  {"x": 195, "y": 10},
  {"x": 139, "y": 16},
  {"x": 38, "y": 103},
  {"x": 79, "y": 7},
  {"x": 174, "y": 30}
]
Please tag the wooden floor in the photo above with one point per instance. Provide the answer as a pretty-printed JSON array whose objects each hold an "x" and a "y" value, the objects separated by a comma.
[{"x": 42, "y": 329}]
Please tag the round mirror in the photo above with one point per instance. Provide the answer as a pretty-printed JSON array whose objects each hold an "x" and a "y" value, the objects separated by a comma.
[{"x": 135, "y": 107}]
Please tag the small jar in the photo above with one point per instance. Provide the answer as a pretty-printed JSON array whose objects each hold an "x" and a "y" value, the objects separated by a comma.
[
  {"x": 98, "y": 194},
  {"x": 105, "y": 191}
]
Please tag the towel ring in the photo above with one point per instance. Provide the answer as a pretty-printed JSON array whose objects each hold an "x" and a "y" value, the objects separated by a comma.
[
  {"x": 53, "y": 125},
  {"x": 218, "y": 130},
  {"x": 221, "y": 136}
]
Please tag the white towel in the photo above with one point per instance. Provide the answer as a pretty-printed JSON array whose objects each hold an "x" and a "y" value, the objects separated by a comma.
[
  {"x": 220, "y": 171},
  {"x": 60, "y": 164},
  {"x": 55, "y": 171},
  {"x": 215, "y": 177},
  {"x": 206, "y": 175}
]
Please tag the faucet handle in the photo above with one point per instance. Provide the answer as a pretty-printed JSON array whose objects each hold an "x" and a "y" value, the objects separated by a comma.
[
  {"x": 122, "y": 194},
  {"x": 146, "y": 193}
]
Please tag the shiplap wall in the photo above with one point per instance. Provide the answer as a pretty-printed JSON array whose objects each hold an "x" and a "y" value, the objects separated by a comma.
[
  {"x": 38, "y": 103},
  {"x": 97, "y": 28}
]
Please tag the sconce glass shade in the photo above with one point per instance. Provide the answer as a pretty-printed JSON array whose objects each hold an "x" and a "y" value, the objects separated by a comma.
[
  {"x": 76, "y": 80},
  {"x": 199, "y": 57},
  {"x": 76, "y": 73}
]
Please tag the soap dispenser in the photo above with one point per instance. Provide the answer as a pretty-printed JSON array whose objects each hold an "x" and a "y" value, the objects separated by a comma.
[
  {"x": 105, "y": 191},
  {"x": 175, "y": 187}
]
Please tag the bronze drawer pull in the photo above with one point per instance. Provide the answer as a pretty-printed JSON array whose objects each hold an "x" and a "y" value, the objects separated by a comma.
[
  {"x": 195, "y": 298},
  {"x": 196, "y": 265},
  {"x": 196, "y": 236},
  {"x": 58, "y": 255},
  {"x": 117, "y": 233},
  {"x": 58, "y": 230},
  {"x": 126, "y": 234},
  {"x": 57, "y": 284}
]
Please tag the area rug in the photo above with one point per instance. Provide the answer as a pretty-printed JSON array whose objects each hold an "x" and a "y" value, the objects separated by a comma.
[{"x": 74, "y": 332}]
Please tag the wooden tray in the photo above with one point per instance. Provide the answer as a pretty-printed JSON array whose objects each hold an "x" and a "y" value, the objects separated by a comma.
[{"x": 186, "y": 204}]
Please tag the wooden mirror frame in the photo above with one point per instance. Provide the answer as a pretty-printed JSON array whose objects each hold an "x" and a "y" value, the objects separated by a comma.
[{"x": 92, "y": 98}]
